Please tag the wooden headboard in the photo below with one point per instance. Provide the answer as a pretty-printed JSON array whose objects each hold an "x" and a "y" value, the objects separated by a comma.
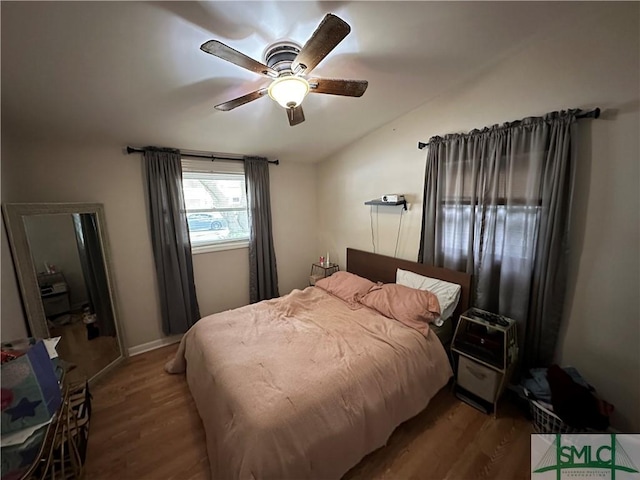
[{"x": 380, "y": 268}]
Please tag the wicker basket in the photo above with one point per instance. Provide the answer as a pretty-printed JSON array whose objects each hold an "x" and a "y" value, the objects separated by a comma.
[{"x": 545, "y": 421}]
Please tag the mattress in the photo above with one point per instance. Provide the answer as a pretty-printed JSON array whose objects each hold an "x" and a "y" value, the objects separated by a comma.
[{"x": 303, "y": 386}]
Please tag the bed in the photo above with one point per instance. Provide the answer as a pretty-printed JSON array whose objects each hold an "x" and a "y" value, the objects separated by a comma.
[{"x": 305, "y": 385}]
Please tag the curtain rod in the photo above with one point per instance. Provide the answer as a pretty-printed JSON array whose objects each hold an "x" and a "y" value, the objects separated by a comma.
[
  {"x": 595, "y": 113},
  {"x": 209, "y": 156}
]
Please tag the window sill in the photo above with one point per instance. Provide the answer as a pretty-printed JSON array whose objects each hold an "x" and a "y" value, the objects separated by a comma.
[{"x": 219, "y": 247}]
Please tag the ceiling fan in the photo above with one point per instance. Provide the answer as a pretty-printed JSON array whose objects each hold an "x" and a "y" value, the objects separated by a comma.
[{"x": 288, "y": 65}]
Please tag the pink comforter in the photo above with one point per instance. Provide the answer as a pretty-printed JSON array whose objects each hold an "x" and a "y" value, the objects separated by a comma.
[{"x": 302, "y": 386}]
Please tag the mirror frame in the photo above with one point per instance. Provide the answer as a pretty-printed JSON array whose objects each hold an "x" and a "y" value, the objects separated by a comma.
[{"x": 14, "y": 214}]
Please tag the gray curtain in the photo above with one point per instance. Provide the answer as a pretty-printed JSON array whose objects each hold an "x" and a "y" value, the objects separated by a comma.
[
  {"x": 93, "y": 270},
  {"x": 263, "y": 274},
  {"x": 170, "y": 240},
  {"x": 496, "y": 205}
]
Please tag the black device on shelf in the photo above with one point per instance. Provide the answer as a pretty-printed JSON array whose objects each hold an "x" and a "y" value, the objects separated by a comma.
[
  {"x": 489, "y": 317},
  {"x": 476, "y": 341}
]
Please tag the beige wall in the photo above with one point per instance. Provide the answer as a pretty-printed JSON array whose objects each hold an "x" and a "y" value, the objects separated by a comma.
[
  {"x": 12, "y": 325},
  {"x": 104, "y": 174},
  {"x": 593, "y": 62}
]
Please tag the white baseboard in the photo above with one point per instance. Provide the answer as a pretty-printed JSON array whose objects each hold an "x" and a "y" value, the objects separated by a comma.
[{"x": 147, "y": 347}]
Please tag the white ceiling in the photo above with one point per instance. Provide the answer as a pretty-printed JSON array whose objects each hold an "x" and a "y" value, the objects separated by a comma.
[{"x": 133, "y": 72}]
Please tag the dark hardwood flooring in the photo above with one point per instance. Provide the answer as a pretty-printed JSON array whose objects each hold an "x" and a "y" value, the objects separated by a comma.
[
  {"x": 89, "y": 356},
  {"x": 145, "y": 426}
]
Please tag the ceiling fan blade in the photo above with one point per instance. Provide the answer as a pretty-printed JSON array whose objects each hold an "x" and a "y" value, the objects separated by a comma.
[
  {"x": 347, "y": 88},
  {"x": 329, "y": 33},
  {"x": 236, "y": 102},
  {"x": 296, "y": 115},
  {"x": 219, "y": 49}
]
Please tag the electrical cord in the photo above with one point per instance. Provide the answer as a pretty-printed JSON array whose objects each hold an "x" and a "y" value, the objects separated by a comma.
[
  {"x": 395, "y": 254},
  {"x": 371, "y": 222},
  {"x": 377, "y": 226}
]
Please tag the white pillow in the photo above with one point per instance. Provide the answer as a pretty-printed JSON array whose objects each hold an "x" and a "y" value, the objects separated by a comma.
[{"x": 447, "y": 293}]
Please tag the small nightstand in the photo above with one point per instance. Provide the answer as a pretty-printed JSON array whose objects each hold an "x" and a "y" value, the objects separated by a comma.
[
  {"x": 322, "y": 270},
  {"x": 486, "y": 348}
]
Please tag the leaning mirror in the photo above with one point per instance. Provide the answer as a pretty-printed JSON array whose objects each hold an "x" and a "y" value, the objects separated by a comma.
[{"x": 61, "y": 256}]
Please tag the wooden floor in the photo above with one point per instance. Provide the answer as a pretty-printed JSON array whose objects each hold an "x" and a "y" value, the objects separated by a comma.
[
  {"x": 89, "y": 356},
  {"x": 145, "y": 426}
]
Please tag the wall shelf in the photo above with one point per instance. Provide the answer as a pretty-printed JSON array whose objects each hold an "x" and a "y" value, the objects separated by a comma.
[{"x": 387, "y": 204}]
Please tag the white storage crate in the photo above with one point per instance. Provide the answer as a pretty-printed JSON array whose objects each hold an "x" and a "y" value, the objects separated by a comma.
[{"x": 545, "y": 421}]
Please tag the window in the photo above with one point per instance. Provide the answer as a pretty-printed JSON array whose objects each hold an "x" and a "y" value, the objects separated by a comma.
[
  {"x": 509, "y": 229},
  {"x": 491, "y": 207},
  {"x": 216, "y": 204}
]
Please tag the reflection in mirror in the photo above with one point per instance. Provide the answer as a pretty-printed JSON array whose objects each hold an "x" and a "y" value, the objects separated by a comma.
[{"x": 65, "y": 262}]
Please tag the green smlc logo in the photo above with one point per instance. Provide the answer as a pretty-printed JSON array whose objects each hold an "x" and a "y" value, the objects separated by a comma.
[{"x": 604, "y": 456}]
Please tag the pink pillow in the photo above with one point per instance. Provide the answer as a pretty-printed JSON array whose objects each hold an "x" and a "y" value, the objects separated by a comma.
[
  {"x": 415, "y": 308},
  {"x": 346, "y": 286}
]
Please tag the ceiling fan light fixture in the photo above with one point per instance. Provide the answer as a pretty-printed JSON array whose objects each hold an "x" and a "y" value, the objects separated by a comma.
[
  {"x": 286, "y": 63},
  {"x": 289, "y": 91}
]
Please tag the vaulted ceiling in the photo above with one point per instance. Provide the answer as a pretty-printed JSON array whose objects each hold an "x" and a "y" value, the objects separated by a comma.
[{"x": 133, "y": 72}]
